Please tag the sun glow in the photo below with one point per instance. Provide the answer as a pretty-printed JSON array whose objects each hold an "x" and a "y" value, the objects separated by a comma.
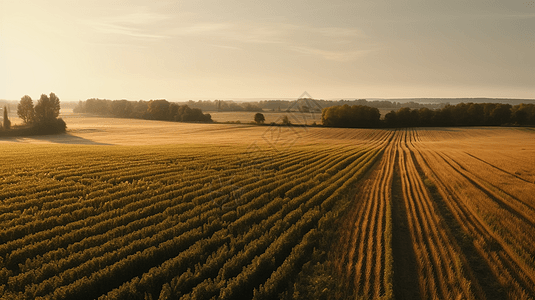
[{"x": 203, "y": 50}]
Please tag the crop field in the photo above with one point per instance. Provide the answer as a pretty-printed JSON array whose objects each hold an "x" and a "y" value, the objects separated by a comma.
[
  {"x": 445, "y": 215},
  {"x": 275, "y": 117},
  {"x": 194, "y": 211}
]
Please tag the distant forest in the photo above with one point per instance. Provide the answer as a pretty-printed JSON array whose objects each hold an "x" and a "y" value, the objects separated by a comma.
[
  {"x": 316, "y": 105},
  {"x": 150, "y": 110},
  {"x": 462, "y": 114},
  {"x": 304, "y": 104},
  {"x": 343, "y": 113},
  {"x": 142, "y": 110}
]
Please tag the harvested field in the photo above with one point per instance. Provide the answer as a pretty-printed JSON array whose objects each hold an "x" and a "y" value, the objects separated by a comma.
[
  {"x": 129, "y": 209},
  {"x": 271, "y": 117},
  {"x": 467, "y": 207}
]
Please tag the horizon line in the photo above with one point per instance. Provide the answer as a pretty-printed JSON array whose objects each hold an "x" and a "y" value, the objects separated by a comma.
[{"x": 239, "y": 99}]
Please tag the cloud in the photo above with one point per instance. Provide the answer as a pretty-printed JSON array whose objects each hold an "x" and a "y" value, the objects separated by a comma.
[
  {"x": 333, "y": 55},
  {"x": 140, "y": 18},
  {"x": 111, "y": 28},
  {"x": 337, "y": 32},
  {"x": 203, "y": 28},
  {"x": 296, "y": 38},
  {"x": 139, "y": 24},
  {"x": 233, "y": 31},
  {"x": 330, "y": 43},
  {"x": 225, "y": 47}
]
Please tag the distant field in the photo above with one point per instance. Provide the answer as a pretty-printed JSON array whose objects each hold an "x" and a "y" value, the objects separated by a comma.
[
  {"x": 275, "y": 117},
  {"x": 134, "y": 209},
  {"x": 114, "y": 131}
]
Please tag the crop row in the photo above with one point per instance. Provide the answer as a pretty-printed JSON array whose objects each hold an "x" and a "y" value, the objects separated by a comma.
[
  {"x": 165, "y": 217},
  {"x": 498, "y": 224},
  {"x": 438, "y": 219}
]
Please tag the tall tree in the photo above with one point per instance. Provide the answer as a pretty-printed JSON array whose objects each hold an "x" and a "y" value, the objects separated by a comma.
[
  {"x": 259, "y": 118},
  {"x": 25, "y": 109},
  {"x": 7, "y": 123},
  {"x": 47, "y": 108},
  {"x": 159, "y": 109},
  {"x": 286, "y": 121}
]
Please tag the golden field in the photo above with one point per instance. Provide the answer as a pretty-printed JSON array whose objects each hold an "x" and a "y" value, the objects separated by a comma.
[{"x": 134, "y": 209}]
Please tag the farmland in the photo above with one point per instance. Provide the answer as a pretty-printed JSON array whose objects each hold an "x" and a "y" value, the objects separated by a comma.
[
  {"x": 149, "y": 209},
  {"x": 276, "y": 117}
]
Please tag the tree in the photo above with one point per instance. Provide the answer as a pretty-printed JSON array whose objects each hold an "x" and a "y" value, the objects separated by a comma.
[
  {"x": 391, "y": 119},
  {"x": 47, "y": 109},
  {"x": 25, "y": 109},
  {"x": 286, "y": 121},
  {"x": 351, "y": 116},
  {"x": 158, "y": 109},
  {"x": 259, "y": 118},
  {"x": 523, "y": 114},
  {"x": 186, "y": 114},
  {"x": 121, "y": 108},
  {"x": 425, "y": 116},
  {"x": 7, "y": 123},
  {"x": 404, "y": 117},
  {"x": 501, "y": 114},
  {"x": 476, "y": 114}
]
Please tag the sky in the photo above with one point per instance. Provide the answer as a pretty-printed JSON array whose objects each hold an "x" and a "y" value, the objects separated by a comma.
[{"x": 212, "y": 49}]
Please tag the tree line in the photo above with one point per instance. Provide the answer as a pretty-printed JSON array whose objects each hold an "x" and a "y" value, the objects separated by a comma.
[
  {"x": 462, "y": 114},
  {"x": 150, "y": 110},
  {"x": 39, "y": 119},
  {"x": 222, "y": 105},
  {"x": 303, "y": 105}
]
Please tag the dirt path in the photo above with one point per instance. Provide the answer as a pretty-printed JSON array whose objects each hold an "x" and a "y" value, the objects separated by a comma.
[{"x": 405, "y": 270}]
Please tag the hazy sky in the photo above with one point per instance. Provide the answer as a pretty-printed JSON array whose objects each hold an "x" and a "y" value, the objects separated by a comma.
[{"x": 216, "y": 49}]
